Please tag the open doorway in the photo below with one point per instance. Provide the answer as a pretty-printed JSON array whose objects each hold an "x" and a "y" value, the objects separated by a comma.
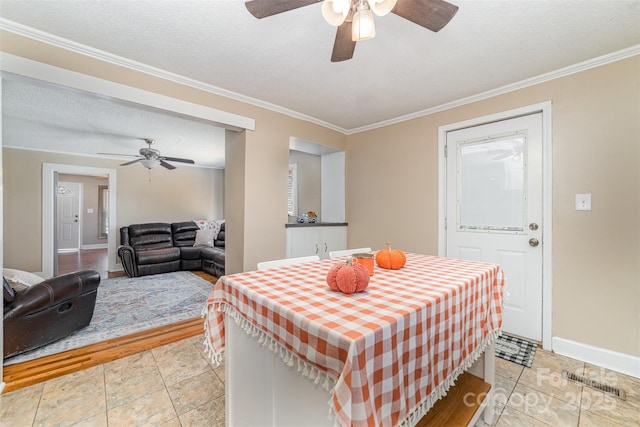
[
  {"x": 82, "y": 231},
  {"x": 97, "y": 253}
]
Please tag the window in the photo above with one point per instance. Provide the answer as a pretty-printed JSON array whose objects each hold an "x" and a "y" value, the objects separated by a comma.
[{"x": 292, "y": 190}]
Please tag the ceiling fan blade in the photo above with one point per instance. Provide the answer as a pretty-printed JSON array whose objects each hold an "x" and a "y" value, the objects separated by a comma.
[
  {"x": 430, "y": 14},
  {"x": 263, "y": 8},
  {"x": 176, "y": 159},
  {"x": 167, "y": 165},
  {"x": 131, "y": 162},
  {"x": 121, "y": 155},
  {"x": 343, "y": 47}
]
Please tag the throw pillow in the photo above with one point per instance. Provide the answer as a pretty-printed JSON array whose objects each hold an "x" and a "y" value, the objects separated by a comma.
[
  {"x": 204, "y": 238},
  {"x": 8, "y": 293},
  {"x": 202, "y": 223},
  {"x": 215, "y": 225},
  {"x": 21, "y": 277}
]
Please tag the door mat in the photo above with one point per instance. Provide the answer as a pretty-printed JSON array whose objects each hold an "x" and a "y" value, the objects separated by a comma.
[{"x": 516, "y": 350}]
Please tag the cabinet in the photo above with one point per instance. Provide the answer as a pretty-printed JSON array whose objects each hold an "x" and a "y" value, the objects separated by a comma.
[{"x": 315, "y": 240}]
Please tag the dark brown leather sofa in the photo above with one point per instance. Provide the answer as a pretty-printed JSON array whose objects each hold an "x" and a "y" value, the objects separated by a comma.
[
  {"x": 47, "y": 311},
  {"x": 153, "y": 248}
]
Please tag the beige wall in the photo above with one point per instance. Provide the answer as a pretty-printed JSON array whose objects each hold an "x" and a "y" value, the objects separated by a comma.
[
  {"x": 596, "y": 149},
  {"x": 179, "y": 195}
]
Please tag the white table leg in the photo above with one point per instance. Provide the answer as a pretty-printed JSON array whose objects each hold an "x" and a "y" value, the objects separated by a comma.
[{"x": 490, "y": 377}]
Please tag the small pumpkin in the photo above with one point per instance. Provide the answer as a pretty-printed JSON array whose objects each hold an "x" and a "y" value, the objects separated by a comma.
[
  {"x": 391, "y": 259},
  {"x": 349, "y": 277}
]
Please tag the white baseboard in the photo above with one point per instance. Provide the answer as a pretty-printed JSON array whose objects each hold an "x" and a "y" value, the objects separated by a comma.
[
  {"x": 95, "y": 246},
  {"x": 619, "y": 362}
]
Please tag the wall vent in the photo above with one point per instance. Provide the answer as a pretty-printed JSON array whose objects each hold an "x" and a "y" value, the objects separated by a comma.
[{"x": 615, "y": 392}]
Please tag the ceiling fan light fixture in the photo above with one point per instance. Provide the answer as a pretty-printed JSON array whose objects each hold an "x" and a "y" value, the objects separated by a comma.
[
  {"x": 363, "y": 27},
  {"x": 150, "y": 163},
  {"x": 335, "y": 11},
  {"x": 382, "y": 7}
]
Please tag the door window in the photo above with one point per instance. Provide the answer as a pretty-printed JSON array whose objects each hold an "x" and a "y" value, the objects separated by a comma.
[{"x": 491, "y": 184}]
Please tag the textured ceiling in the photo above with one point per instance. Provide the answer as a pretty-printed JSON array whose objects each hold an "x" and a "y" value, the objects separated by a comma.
[
  {"x": 51, "y": 118},
  {"x": 283, "y": 61}
]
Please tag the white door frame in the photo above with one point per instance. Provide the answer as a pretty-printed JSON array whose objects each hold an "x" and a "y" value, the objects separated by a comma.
[
  {"x": 547, "y": 211},
  {"x": 48, "y": 214}
]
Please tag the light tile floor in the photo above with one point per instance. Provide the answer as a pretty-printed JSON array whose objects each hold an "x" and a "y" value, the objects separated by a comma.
[{"x": 176, "y": 385}]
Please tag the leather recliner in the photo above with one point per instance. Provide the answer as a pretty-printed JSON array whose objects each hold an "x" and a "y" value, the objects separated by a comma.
[
  {"x": 148, "y": 249},
  {"x": 47, "y": 311}
]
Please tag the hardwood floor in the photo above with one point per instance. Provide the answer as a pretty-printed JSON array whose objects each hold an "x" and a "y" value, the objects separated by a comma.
[
  {"x": 35, "y": 371},
  {"x": 85, "y": 259}
]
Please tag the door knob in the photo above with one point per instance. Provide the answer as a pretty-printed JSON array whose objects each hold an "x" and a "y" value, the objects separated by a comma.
[
  {"x": 534, "y": 242},
  {"x": 533, "y": 226}
]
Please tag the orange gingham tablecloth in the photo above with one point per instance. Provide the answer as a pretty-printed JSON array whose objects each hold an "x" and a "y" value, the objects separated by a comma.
[{"x": 386, "y": 355}]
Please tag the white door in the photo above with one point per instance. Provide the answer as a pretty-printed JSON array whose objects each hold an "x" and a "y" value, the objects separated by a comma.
[
  {"x": 68, "y": 219},
  {"x": 494, "y": 210}
]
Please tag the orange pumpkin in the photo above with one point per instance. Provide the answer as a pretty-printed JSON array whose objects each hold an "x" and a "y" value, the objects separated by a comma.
[
  {"x": 392, "y": 259},
  {"x": 349, "y": 277}
]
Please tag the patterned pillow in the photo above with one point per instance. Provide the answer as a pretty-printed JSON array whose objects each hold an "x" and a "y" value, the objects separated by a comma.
[
  {"x": 212, "y": 224},
  {"x": 21, "y": 277},
  {"x": 202, "y": 223}
]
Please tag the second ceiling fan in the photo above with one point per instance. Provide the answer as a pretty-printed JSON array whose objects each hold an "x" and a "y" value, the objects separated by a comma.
[
  {"x": 150, "y": 157},
  {"x": 354, "y": 19}
]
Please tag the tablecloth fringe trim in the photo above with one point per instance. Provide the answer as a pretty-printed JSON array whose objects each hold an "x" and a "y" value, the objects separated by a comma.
[
  {"x": 441, "y": 391},
  {"x": 216, "y": 356},
  {"x": 289, "y": 358}
]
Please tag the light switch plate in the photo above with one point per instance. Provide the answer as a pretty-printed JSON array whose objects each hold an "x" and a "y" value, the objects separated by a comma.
[
  {"x": 89, "y": 210},
  {"x": 583, "y": 202}
]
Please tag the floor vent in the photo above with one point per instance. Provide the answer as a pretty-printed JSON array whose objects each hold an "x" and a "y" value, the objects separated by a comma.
[{"x": 615, "y": 392}]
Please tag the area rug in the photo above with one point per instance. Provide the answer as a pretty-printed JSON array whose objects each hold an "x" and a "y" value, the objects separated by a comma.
[
  {"x": 127, "y": 305},
  {"x": 516, "y": 350}
]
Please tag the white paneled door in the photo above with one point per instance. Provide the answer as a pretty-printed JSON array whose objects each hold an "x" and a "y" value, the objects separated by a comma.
[
  {"x": 68, "y": 219},
  {"x": 494, "y": 210}
]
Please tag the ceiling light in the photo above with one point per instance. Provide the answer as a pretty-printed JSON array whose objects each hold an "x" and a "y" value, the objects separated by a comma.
[
  {"x": 382, "y": 7},
  {"x": 150, "y": 163},
  {"x": 362, "y": 27},
  {"x": 336, "y": 11}
]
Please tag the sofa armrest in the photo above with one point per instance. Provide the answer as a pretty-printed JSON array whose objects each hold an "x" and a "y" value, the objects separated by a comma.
[
  {"x": 52, "y": 291},
  {"x": 128, "y": 257}
]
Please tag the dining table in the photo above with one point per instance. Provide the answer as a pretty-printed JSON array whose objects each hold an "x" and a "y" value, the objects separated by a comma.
[{"x": 296, "y": 352}]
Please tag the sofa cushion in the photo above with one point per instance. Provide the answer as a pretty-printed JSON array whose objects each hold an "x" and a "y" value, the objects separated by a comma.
[
  {"x": 190, "y": 252},
  {"x": 184, "y": 233},
  {"x": 157, "y": 256},
  {"x": 155, "y": 235},
  {"x": 220, "y": 240}
]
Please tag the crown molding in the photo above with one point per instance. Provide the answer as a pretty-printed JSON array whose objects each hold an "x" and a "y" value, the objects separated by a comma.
[
  {"x": 88, "y": 51},
  {"x": 552, "y": 75},
  {"x": 53, "y": 40}
]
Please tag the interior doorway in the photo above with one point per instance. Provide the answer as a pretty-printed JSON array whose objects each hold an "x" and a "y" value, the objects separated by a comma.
[
  {"x": 50, "y": 175},
  {"x": 82, "y": 223}
]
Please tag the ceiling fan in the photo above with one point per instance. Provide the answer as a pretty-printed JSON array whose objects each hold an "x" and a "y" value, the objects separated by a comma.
[
  {"x": 354, "y": 19},
  {"x": 151, "y": 158}
]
